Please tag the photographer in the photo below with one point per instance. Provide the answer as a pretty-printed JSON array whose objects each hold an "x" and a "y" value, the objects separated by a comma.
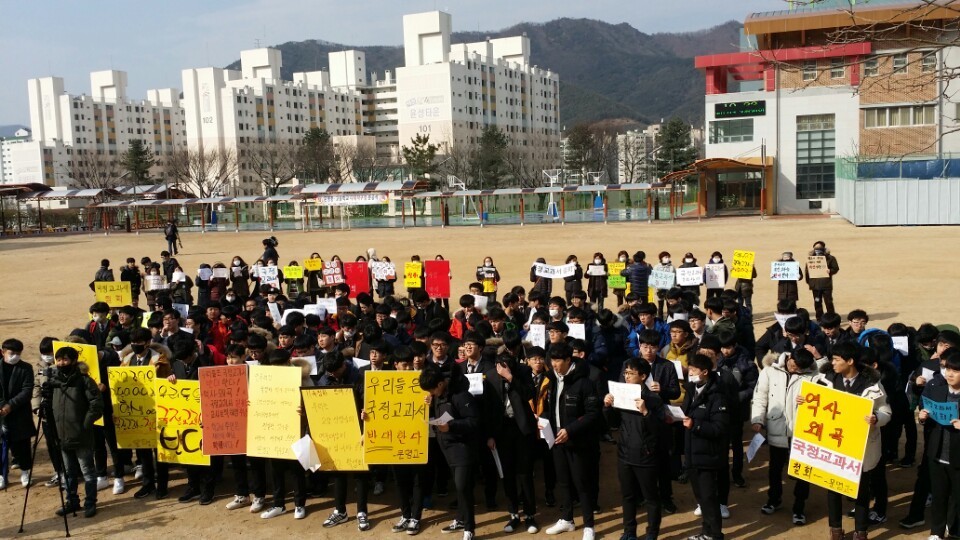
[
  {"x": 75, "y": 404},
  {"x": 16, "y": 391}
]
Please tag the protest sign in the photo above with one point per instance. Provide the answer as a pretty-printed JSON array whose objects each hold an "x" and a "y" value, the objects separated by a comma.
[
  {"x": 221, "y": 273},
  {"x": 332, "y": 273},
  {"x": 690, "y": 277},
  {"x": 785, "y": 271},
  {"x": 537, "y": 335},
  {"x": 154, "y": 283},
  {"x": 328, "y": 304},
  {"x": 395, "y": 431},
  {"x": 334, "y": 427},
  {"x": 438, "y": 279},
  {"x": 742, "y": 267},
  {"x": 179, "y": 423},
  {"x": 715, "y": 276},
  {"x": 480, "y": 302},
  {"x": 830, "y": 438},
  {"x": 596, "y": 270},
  {"x": 476, "y": 383},
  {"x": 114, "y": 293},
  {"x": 817, "y": 267},
  {"x": 577, "y": 330},
  {"x": 183, "y": 309},
  {"x": 941, "y": 413},
  {"x": 88, "y": 355},
  {"x": 614, "y": 279},
  {"x": 488, "y": 278},
  {"x": 550, "y": 271},
  {"x": 292, "y": 272},
  {"x": 223, "y": 406},
  {"x": 273, "y": 424},
  {"x": 625, "y": 395},
  {"x": 178, "y": 277},
  {"x": 312, "y": 265},
  {"x": 134, "y": 406},
  {"x": 269, "y": 275},
  {"x": 412, "y": 275},
  {"x": 662, "y": 280},
  {"x": 204, "y": 274},
  {"x": 274, "y": 310},
  {"x": 901, "y": 344},
  {"x": 782, "y": 318},
  {"x": 357, "y": 277},
  {"x": 382, "y": 270}
]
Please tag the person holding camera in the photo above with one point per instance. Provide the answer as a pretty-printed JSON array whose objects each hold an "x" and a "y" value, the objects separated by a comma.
[
  {"x": 75, "y": 403},
  {"x": 16, "y": 392}
]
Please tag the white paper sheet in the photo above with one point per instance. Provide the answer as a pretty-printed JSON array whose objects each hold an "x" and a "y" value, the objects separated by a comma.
[
  {"x": 360, "y": 362},
  {"x": 274, "y": 312},
  {"x": 900, "y": 343},
  {"x": 496, "y": 461},
  {"x": 312, "y": 360},
  {"x": 480, "y": 302},
  {"x": 204, "y": 273},
  {"x": 755, "y": 445},
  {"x": 577, "y": 330},
  {"x": 679, "y": 368},
  {"x": 625, "y": 395},
  {"x": 537, "y": 335},
  {"x": 306, "y": 453},
  {"x": 927, "y": 374},
  {"x": 444, "y": 419},
  {"x": 675, "y": 412},
  {"x": 476, "y": 383},
  {"x": 546, "y": 432},
  {"x": 221, "y": 273}
]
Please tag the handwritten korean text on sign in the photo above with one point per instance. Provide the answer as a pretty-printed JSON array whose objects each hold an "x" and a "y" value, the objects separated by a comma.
[
  {"x": 742, "y": 267},
  {"x": 223, "y": 404},
  {"x": 614, "y": 279},
  {"x": 412, "y": 272},
  {"x": 179, "y": 423},
  {"x": 395, "y": 431},
  {"x": 134, "y": 406},
  {"x": 114, "y": 293},
  {"x": 785, "y": 270},
  {"x": 817, "y": 267},
  {"x": 272, "y": 421},
  {"x": 334, "y": 428}
]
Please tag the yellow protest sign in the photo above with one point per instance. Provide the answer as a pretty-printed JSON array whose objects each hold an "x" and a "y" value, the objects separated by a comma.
[
  {"x": 817, "y": 267},
  {"x": 114, "y": 293},
  {"x": 334, "y": 428},
  {"x": 312, "y": 265},
  {"x": 614, "y": 279},
  {"x": 830, "y": 438},
  {"x": 88, "y": 355},
  {"x": 395, "y": 431},
  {"x": 134, "y": 406},
  {"x": 742, "y": 267},
  {"x": 412, "y": 272},
  {"x": 292, "y": 272},
  {"x": 179, "y": 423},
  {"x": 272, "y": 421}
]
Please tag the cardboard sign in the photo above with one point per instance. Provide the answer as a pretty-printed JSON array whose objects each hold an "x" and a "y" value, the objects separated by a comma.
[
  {"x": 690, "y": 277},
  {"x": 412, "y": 273},
  {"x": 179, "y": 423},
  {"x": 785, "y": 271},
  {"x": 223, "y": 405},
  {"x": 154, "y": 283},
  {"x": 134, "y": 406},
  {"x": 662, "y": 280},
  {"x": 395, "y": 432},
  {"x": 742, "y": 267},
  {"x": 438, "y": 279},
  {"x": 292, "y": 272},
  {"x": 114, "y": 293},
  {"x": 537, "y": 335},
  {"x": 549, "y": 271},
  {"x": 614, "y": 279},
  {"x": 312, "y": 265},
  {"x": 817, "y": 267},
  {"x": 334, "y": 428},
  {"x": 625, "y": 395},
  {"x": 715, "y": 278},
  {"x": 357, "y": 277},
  {"x": 273, "y": 424},
  {"x": 941, "y": 413},
  {"x": 830, "y": 438}
]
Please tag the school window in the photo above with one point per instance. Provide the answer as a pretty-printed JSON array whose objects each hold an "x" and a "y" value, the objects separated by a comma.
[
  {"x": 900, "y": 63},
  {"x": 871, "y": 67},
  {"x": 816, "y": 146},
  {"x": 917, "y": 115},
  {"x": 810, "y": 70},
  {"x": 837, "y": 70},
  {"x": 727, "y": 131},
  {"x": 929, "y": 63}
]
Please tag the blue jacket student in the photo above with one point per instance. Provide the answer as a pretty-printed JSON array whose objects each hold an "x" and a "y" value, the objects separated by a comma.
[{"x": 633, "y": 343}]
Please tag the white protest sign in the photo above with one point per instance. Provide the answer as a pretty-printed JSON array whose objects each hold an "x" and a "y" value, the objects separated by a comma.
[
  {"x": 184, "y": 309},
  {"x": 755, "y": 445},
  {"x": 237, "y": 271},
  {"x": 662, "y": 280},
  {"x": 678, "y": 367},
  {"x": 312, "y": 360},
  {"x": 476, "y": 383},
  {"x": 577, "y": 331},
  {"x": 550, "y": 271},
  {"x": 596, "y": 270},
  {"x": 782, "y": 318},
  {"x": 625, "y": 395},
  {"x": 480, "y": 302},
  {"x": 785, "y": 271},
  {"x": 715, "y": 276},
  {"x": 537, "y": 335},
  {"x": 901, "y": 343},
  {"x": 178, "y": 277},
  {"x": 269, "y": 275},
  {"x": 155, "y": 283},
  {"x": 221, "y": 273},
  {"x": 204, "y": 274},
  {"x": 274, "y": 311},
  {"x": 328, "y": 304},
  {"x": 315, "y": 309},
  {"x": 690, "y": 277},
  {"x": 382, "y": 270}
]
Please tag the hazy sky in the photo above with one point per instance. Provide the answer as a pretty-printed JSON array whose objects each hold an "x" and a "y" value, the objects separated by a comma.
[{"x": 153, "y": 41}]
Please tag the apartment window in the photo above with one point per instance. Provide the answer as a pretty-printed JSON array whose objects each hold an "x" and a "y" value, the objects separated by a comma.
[
  {"x": 816, "y": 146},
  {"x": 929, "y": 63},
  {"x": 871, "y": 67},
  {"x": 810, "y": 70},
  {"x": 727, "y": 131},
  {"x": 837, "y": 69},
  {"x": 900, "y": 63}
]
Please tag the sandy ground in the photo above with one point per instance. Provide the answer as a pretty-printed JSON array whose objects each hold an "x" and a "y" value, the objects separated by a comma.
[{"x": 897, "y": 274}]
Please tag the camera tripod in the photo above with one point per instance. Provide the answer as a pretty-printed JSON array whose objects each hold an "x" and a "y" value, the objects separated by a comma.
[{"x": 54, "y": 447}]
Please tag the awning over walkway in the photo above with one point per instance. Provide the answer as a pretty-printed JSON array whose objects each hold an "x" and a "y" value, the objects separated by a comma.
[
  {"x": 362, "y": 187},
  {"x": 532, "y": 191},
  {"x": 205, "y": 200},
  {"x": 56, "y": 194}
]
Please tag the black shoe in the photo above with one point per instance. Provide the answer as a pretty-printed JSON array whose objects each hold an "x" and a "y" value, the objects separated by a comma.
[
  {"x": 68, "y": 509},
  {"x": 911, "y": 522},
  {"x": 551, "y": 500},
  {"x": 161, "y": 494},
  {"x": 144, "y": 491},
  {"x": 206, "y": 498},
  {"x": 89, "y": 511},
  {"x": 739, "y": 481},
  {"x": 669, "y": 507},
  {"x": 852, "y": 512},
  {"x": 190, "y": 495},
  {"x": 513, "y": 524}
]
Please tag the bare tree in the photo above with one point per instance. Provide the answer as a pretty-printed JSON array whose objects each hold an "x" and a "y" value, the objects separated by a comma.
[
  {"x": 632, "y": 158},
  {"x": 604, "y": 152},
  {"x": 368, "y": 166},
  {"x": 458, "y": 161},
  {"x": 90, "y": 169},
  {"x": 204, "y": 172},
  {"x": 275, "y": 164}
]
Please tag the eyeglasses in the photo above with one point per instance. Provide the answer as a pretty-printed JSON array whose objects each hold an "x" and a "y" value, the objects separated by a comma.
[
  {"x": 439, "y": 345},
  {"x": 630, "y": 373}
]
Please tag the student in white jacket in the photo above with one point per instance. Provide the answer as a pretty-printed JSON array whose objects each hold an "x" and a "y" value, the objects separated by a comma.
[{"x": 773, "y": 410}]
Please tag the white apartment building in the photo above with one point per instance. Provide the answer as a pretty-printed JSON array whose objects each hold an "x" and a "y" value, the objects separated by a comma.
[
  {"x": 635, "y": 157},
  {"x": 7, "y": 145}
]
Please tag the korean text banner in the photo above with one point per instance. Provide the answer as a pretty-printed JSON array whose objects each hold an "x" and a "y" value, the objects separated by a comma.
[
  {"x": 179, "y": 423},
  {"x": 134, "y": 406},
  {"x": 395, "y": 431}
]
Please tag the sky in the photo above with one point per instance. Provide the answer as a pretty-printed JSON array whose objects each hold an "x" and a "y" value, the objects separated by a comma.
[{"x": 69, "y": 39}]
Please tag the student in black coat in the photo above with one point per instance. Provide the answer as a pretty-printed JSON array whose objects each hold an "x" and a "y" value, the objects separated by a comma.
[
  {"x": 943, "y": 445},
  {"x": 16, "y": 392}
]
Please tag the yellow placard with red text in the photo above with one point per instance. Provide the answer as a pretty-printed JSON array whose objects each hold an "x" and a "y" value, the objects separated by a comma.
[{"x": 114, "y": 293}]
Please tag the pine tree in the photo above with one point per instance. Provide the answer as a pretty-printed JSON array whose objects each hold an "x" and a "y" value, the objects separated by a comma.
[
  {"x": 137, "y": 161},
  {"x": 419, "y": 156},
  {"x": 676, "y": 153}
]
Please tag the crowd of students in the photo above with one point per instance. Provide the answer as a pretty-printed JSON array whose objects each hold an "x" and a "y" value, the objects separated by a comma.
[{"x": 729, "y": 378}]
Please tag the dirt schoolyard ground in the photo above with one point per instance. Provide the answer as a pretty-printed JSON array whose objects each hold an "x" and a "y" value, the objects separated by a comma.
[{"x": 905, "y": 274}]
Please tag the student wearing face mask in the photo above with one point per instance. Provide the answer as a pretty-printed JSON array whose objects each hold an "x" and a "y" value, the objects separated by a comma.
[
  {"x": 240, "y": 277},
  {"x": 489, "y": 277},
  {"x": 716, "y": 258},
  {"x": 541, "y": 285},
  {"x": 16, "y": 393},
  {"x": 822, "y": 288},
  {"x": 622, "y": 257},
  {"x": 689, "y": 261},
  {"x": 787, "y": 288},
  {"x": 597, "y": 280},
  {"x": 574, "y": 283},
  {"x": 665, "y": 265}
]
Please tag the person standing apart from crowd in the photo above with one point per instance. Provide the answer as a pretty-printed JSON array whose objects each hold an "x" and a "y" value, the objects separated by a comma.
[
  {"x": 489, "y": 277},
  {"x": 787, "y": 288},
  {"x": 597, "y": 280},
  {"x": 822, "y": 288},
  {"x": 573, "y": 284},
  {"x": 16, "y": 393},
  {"x": 665, "y": 265},
  {"x": 270, "y": 249},
  {"x": 717, "y": 258},
  {"x": 638, "y": 276},
  {"x": 172, "y": 235}
]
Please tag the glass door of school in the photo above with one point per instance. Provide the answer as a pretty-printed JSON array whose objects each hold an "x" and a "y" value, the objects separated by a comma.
[{"x": 738, "y": 191}]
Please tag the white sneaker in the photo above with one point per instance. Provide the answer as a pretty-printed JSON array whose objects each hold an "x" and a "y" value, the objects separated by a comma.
[
  {"x": 53, "y": 481},
  {"x": 698, "y": 512},
  {"x": 138, "y": 472},
  {"x": 934, "y": 537},
  {"x": 588, "y": 533},
  {"x": 467, "y": 535},
  {"x": 724, "y": 511},
  {"x": 561, "y": 526},
  {"x": 258, "y": 505},
  {"x": 25, "y": 479},
  {"x": 272, "y": 513},
  {"x": 300, "y": 512},
  {"x": 119, "y": 486},
  {"x": 102, "y": 483},
  {"x": 239, "y": 501},
  {"x": 3, "y": 483}
]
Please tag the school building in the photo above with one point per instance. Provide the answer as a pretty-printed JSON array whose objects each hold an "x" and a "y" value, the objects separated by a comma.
[{"x": 835, "y": 109}]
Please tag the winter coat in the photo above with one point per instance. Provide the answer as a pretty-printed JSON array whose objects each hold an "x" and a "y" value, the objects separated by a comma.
[
  {"x": 638, "y": 275},
  {"x": 823, "y": 284},
  {"x": 633, "y": 339},
  {"x": 241, "y": 283},
  {"x": 938, "y": 390},
  {"x": 775, "y": 399},
  {"x": 488, "y": 277},
  {"x": 519, "y": 392},
  {"x": 639, "y": 434},
  {"x": 580, "y": 409},
  {"x": 615, "y": 336},
  {"x": 17, "y": 392},
  {"x": 459, "y": 444},
  {"x": 541, "y": 285},
  {"x": 574, "y": 283},
  {"x": 868, "y": 381},
  {"x": 706, "y": 443},
  {"x": 270, "y": 254},
  {"x": 744, "y": 286},
  {"x": 103, "y": 274},
  {"x": 156, "y": 355},
  {"x": 76, "y": 405},
  {"x": 132, "y": 275},
  {"x": 745, "y": 370},
  {"x": 597, "y": 285},
  {"x": 787, "y": 289},
  {"x": 181, "y": 291}
]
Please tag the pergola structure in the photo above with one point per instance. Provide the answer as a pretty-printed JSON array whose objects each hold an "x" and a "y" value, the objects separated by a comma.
[{"x": 706, "y": 171}]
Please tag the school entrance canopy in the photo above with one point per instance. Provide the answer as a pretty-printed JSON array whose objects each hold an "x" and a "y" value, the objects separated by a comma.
[
  {"x": 15, "y": 191},
  {"x": 731, "y": 186}
]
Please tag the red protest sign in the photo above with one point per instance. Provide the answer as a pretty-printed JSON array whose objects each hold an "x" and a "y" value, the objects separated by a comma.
[
  {"x": 223, "y": 407},
  {"x": 438, "y": 279},
  {"x": 357, "y": 277},
  {"x": 332, "y": 273}
]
